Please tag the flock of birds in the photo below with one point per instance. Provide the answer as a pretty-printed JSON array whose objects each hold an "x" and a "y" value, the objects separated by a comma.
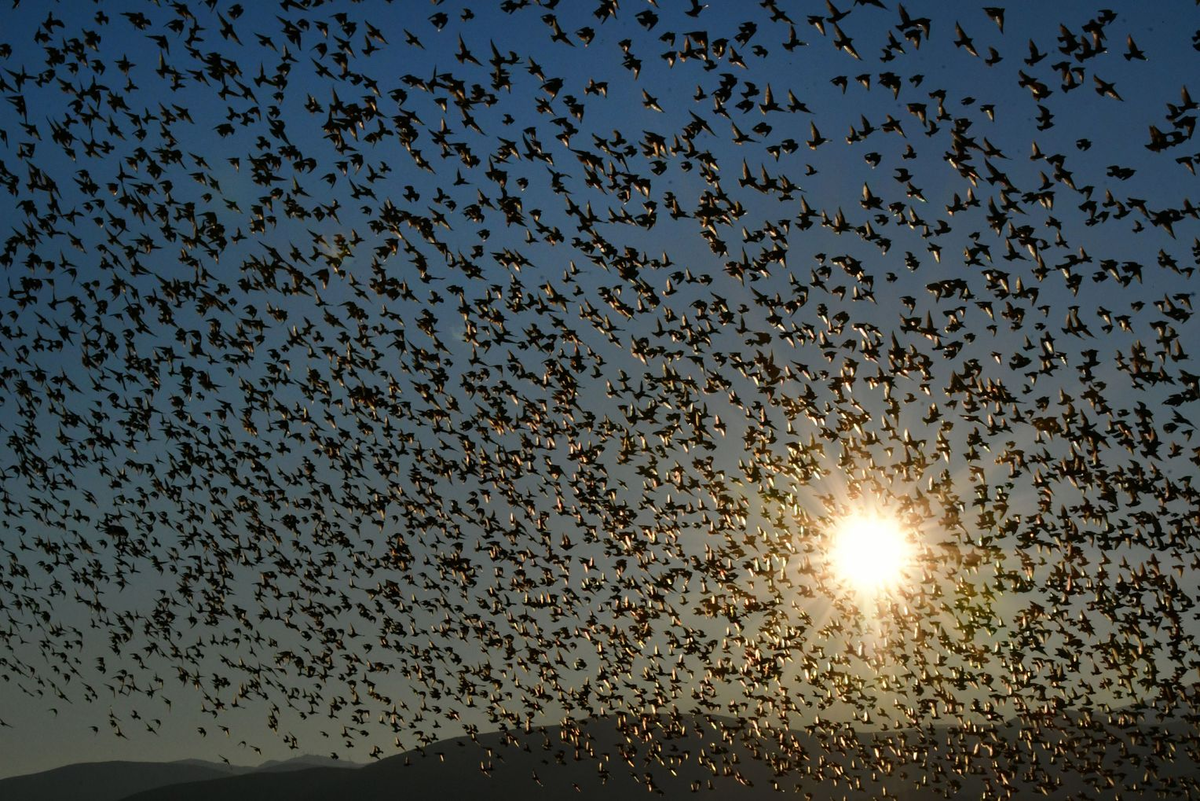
[{"x": 403, "y": 372}]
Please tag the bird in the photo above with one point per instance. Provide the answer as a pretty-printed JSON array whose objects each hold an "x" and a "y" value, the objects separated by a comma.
[{"x": 1132, "y": 51}]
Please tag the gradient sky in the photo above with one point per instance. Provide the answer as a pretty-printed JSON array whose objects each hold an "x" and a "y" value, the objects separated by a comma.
[{"x": 188, "y": 434}]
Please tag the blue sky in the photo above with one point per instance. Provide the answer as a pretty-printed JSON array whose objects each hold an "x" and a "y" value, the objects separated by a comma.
[{"x": 308, "y": 337}]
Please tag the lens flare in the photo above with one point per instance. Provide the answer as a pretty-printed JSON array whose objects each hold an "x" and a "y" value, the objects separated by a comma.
[{"x": 871, "y": 552}]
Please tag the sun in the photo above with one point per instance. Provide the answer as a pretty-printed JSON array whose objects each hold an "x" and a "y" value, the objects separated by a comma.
[{"x": 870, "y": 552}]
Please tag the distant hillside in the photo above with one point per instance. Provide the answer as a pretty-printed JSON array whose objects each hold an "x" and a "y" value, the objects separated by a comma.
[
  {"x": 112, "y": 781},
  {"x": 105, "y": 781},
  {"x": 602, "y": 764},
  {"x": 303, "y": 763}
]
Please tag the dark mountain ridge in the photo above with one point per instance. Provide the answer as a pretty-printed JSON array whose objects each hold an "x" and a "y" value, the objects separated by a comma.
[
  {"x": 115, "y": 780},
  {"x": 602, "y": 759}
]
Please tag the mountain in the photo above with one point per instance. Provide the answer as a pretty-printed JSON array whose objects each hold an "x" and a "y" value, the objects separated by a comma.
[
  {"x": 112, "y": 781},
  {"x": 304, "y": 763},
  {"x": 596, "y": 761},
  {"x": 534, "y": 765},
  {"x": 105, "y": 781},
  {"x": 1134, "y": 756}
]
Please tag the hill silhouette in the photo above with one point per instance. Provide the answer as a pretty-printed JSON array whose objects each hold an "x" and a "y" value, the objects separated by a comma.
[
  {"x": 106, "y": 781},
  {"x": 116, "y": 780},
  {"x": 595, "y": 761}
]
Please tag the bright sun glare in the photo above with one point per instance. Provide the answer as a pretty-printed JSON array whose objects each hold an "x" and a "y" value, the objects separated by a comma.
[{"x": 870, "y": 552}]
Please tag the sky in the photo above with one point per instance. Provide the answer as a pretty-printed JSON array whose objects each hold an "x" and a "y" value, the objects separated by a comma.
[{"x": 374, "y": 371}]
